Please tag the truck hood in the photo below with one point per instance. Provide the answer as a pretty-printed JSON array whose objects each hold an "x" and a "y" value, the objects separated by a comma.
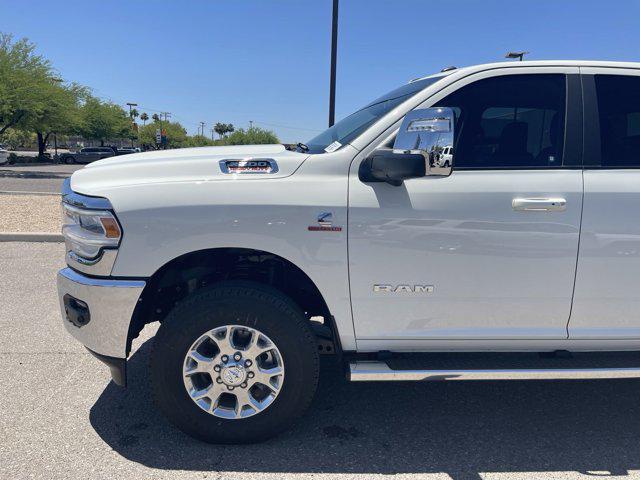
[{"x": 180, "y": 165}]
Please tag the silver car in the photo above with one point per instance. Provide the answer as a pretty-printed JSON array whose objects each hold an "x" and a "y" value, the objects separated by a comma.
[
  {"x": 4, "y": 154},
  {"x": 88, "y": 155}
]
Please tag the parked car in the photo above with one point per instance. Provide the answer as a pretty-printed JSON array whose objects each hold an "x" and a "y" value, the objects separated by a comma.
[
  {"x": 515, "y": 258},
  {"x": 87, "y": 155},
  {"x": 4, "y": 154},
  {"x": 445, "y": 157},
  {"x": 126, "y": 150}
]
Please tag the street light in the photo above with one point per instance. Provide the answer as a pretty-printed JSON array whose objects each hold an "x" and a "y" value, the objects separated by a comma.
[
  {"x": 519, "y": 55},
  {"x": 131, "y": 105}
]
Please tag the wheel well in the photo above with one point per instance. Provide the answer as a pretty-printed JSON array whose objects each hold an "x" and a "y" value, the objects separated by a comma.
[{"x": 183, "y": 275}]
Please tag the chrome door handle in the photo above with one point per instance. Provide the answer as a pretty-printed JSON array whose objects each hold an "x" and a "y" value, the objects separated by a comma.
[{"x": 556, "y": 204}]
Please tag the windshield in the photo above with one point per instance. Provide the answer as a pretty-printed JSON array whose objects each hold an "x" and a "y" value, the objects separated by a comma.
[{"x": 350, "y": 127}]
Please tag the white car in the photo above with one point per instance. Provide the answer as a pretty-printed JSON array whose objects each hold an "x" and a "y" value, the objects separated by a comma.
[
  {"x": 446, "y": 157},
  {"x": 4, "y": 154},
  {"x": 517, "y": 257}
]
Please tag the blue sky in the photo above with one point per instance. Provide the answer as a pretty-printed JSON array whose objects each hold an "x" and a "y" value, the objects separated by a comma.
[{"x": 268, "y": 60}]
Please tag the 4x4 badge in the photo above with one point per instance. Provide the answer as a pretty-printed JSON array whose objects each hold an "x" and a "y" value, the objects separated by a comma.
[{"x": 325, "y": 223}]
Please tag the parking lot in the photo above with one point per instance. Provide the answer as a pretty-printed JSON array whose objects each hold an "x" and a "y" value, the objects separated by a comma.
[
  {"x": 62, "y": 418},
  {"x": 34, "y": 177}
]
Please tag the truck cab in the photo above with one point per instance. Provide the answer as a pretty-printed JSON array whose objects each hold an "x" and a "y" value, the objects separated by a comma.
[{"x": 472, "y": 224}]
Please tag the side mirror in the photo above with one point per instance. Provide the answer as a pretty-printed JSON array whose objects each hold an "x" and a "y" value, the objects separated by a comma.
[
  {"x": 423, "y": 146},
  {"x": 385, "y": 165},
  {"x": 429, "y": 131}
]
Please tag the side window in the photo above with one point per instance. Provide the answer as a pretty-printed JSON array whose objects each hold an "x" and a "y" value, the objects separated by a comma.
[
  {"x": 513, "y": 121},
  {"x": 619, "y": 112}
]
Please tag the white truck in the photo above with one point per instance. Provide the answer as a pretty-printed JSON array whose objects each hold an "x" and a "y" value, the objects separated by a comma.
[{"x": 517, "y": 259}]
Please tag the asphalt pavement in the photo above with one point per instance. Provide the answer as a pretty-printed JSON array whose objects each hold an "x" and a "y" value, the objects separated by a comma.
[
  {"x": 61, "y": 417},
  {"x": 34, "y": 177}
]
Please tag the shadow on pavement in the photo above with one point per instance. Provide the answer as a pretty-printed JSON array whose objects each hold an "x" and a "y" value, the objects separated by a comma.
[{"x": 461, "y": 429}]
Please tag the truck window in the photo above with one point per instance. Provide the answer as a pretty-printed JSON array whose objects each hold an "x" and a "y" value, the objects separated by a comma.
[
  {"x": 353, "y": 125},
  {"x": 513, "y": 121},
  {"x": 619, "y": 114}
]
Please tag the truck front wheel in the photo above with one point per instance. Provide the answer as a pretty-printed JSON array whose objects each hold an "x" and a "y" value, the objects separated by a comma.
[{"x": 235, "y": 363}]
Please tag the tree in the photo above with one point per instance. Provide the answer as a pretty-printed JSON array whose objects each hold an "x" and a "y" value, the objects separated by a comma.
[
  {"x": 16, "y": 139},
  {"x": 25, "y": 79},
  {"x": 176, "y": 134},
  {"x": 155, "y": 117},
  {"x": 223, "y": 128},
  {"x": 103, "y": 121},
  {"x": 144, "y": 117},
  {"x": 250, "y": 136},
  {"x": 134, "y": 113},
  {"x": 59, "y": 114},
  {"x": 198, "y": 141}
]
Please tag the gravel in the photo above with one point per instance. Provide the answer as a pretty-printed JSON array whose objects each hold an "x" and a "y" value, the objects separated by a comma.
[{"x": 30, "y": 213}]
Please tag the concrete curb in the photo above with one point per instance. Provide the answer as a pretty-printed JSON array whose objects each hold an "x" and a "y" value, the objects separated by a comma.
[
  {"x": 31, "y": 237},
  {"x": 34, "y": 175},
  {"x": 20, "y": 192}
]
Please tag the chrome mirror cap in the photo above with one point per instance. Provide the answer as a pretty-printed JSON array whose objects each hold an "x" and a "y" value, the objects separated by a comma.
[{"x": 429, "y": 131}]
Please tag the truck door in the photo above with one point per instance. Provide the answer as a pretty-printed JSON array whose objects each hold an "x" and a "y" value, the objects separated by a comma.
[
  {"x": 456, "y": 258},
  {"x": 607, "y": 293}
]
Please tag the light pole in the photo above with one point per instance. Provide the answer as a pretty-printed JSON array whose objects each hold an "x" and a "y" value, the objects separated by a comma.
[
  {"x": 166, "y": 115},
  {"x": 131, "y": 105},
  {"x": 334, "y": 56}
]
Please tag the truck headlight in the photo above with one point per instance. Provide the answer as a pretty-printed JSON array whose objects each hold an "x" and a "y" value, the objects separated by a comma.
[{"x": 87, "y": 232}]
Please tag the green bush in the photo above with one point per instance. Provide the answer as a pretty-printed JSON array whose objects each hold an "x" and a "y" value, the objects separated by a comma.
[{"x": 250, "y": 136}]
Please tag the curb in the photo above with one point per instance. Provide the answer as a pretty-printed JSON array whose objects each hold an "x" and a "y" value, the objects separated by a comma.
[
  {"x": 20, "y": 192},
  {"x": 31, "y": 237},
  {"x": 33, "y": 174}
]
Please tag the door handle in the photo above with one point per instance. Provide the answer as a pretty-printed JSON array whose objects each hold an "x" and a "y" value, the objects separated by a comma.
[{"x": 555, "y": 204}]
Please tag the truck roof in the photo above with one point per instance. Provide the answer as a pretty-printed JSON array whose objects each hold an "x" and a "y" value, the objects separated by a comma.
[{"x": 534, "y": 63}]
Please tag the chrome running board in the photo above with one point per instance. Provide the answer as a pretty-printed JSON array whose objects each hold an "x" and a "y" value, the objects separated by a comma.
[{"x": 374, "y": 371}]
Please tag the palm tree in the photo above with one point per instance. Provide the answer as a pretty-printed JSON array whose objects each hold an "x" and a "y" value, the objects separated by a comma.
[
  {"x": 155, "y": 117},
  {"x": 134, "y": 114},
  {"x": 220, "y": 129},
  {"x": 144, "y": 117},
  {"x": 223, "y": 128}
]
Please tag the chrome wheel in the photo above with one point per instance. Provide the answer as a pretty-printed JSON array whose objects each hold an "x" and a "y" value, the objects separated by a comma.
[{"x": 233, "y": 371}]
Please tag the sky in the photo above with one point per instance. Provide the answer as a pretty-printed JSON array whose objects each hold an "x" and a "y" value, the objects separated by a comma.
[{"x": 267, "y": 61}]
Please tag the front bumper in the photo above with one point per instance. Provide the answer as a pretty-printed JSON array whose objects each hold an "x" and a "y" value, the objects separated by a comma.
[{"x": 97, "y": 312}]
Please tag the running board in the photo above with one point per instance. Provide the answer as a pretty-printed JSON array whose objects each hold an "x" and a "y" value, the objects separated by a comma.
[{"x": 374, "y": 371}]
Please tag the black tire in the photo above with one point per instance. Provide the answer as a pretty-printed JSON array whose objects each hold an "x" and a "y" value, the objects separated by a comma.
[
  {"x": 69, "y": 160},
  {"x": 235, "y": 303}
]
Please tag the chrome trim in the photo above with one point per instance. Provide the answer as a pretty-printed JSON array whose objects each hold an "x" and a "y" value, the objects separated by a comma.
[
  {"x": 83, "y": 201},
  {"x": 372, "y": 371},
  {"x": 557, "y": 204},
  {"x": 272, "y": 163},
  {"x": 101, "y": 265},
  {"x": 76, "y": 277},
  {"x": 111, "y": 303}
]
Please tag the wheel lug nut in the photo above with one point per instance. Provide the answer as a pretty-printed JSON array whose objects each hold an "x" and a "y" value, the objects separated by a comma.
[
  {"x": 225, "y": 359},
  {"x": 247, "y": 363},
  {"x": 251, "y": 374},
  {"x": 237, "y": 357},
  {"x": 216, "y": 368},
  {"x": 230, "y": 387},
  {"x": 219, "y": 380},
  {"x": 244, "y": 385}
]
